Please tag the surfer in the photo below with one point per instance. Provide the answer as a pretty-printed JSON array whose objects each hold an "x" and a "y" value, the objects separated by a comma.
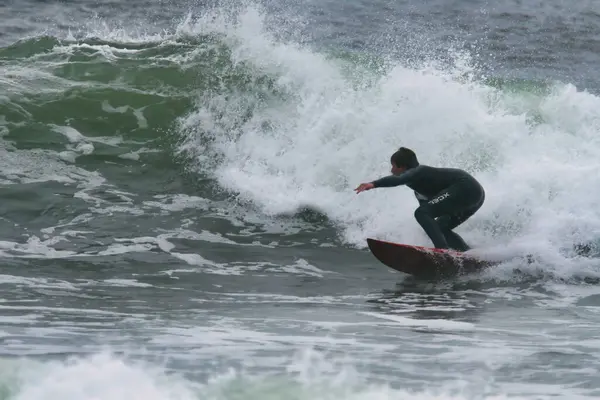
[{"x": 447, "y": 196}]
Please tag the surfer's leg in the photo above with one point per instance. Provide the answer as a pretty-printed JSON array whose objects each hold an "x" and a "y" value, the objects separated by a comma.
[
  {"x": 424, "y": 217},
  {"x": 454, "y": 240},
  {"x": 454, "y": 206},
  {"x": 449, "y": 222}
]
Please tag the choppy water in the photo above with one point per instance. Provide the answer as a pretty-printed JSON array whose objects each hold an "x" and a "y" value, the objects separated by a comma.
[{"x": 178, "y": 220}]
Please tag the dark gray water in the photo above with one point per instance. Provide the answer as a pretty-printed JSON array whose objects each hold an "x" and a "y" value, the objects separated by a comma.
[{"x": 178, "y": 220}]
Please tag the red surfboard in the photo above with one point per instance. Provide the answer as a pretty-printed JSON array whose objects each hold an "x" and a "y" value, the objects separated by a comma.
[{"x": 425, "y": 262}]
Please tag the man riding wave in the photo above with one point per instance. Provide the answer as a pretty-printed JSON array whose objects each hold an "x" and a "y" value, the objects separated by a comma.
[{"x": 447, "y": 196}]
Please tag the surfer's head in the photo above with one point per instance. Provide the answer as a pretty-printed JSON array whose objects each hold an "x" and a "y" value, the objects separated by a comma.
[{"x": 403, "y": 159}]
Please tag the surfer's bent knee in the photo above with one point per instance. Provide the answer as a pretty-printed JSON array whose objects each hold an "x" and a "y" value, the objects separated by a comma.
[{"x": 422, "y": 211}]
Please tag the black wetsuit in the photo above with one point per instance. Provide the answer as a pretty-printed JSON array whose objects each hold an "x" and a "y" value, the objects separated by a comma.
[{"x": 448, "y": 194}]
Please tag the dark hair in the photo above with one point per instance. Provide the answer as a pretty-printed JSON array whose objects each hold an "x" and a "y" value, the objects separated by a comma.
[{"x": 404, "y": 158}]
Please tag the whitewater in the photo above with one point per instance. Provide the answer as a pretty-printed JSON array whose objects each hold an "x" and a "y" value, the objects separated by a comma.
[{"x": 179, "y": 220}]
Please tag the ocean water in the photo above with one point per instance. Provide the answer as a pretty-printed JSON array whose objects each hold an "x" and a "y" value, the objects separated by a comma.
[{"x": 178, "y": 219}]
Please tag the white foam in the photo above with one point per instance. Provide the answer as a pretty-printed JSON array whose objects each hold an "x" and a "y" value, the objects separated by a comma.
[
  {"x": 122, "y": 249},
  {"x": 99, "y": 377},
  {"x": 300, "y": 267},
  {"x": 32, "y": 166},
  {"x": 138, "y": 113},
  {"x": 257, "y": 298},
  {"x": 307, "y": 375},
  {"x": 34, "y": 248},
  {"x": 442, "y": 324},
  {"x": 43, "y": 247},
  {"x": 58, "y": 310},
  {"x": 37, "y": 283},
  {"x": 80, "y": 144},
  {"x": 126, "y": 283},
  {"x": 328, "y": 133},
  {"x": 135, "y": 155},
  {"x": 177, "y": 202}
]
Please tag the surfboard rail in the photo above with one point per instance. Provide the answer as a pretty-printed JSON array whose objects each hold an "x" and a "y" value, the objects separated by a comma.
[{"x": 424, "y": 262}]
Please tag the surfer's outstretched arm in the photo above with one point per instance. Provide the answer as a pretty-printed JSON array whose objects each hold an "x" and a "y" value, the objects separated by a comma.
[
  {"x": 389, "y": 181},
  {"x": 396, "y": 180}
]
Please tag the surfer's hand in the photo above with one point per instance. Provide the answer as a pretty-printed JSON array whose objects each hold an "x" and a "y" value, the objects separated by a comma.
[{"x": 363, "y": 187}]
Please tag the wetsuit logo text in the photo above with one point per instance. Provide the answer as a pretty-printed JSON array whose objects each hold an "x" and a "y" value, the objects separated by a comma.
[{"x": 439, "y": 198}]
